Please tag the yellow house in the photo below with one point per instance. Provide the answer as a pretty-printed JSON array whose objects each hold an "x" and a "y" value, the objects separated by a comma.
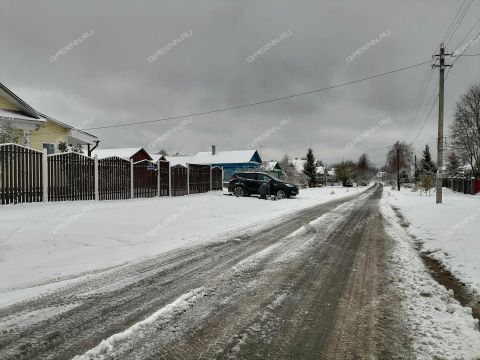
[{"x": 36, "y": 130}]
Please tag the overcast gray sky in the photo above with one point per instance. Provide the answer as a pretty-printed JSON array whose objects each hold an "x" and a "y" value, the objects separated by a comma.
[{"x": 108, "y": 79}]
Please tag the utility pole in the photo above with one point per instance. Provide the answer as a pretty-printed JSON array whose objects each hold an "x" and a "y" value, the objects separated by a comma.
[
  {"x": 398, "y": 166},
  {"x": 415, "y": 170},
  {"x": 441, "y": 90}
]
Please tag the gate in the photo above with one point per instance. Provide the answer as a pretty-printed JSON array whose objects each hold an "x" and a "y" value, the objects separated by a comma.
[
  {"x": 114, "y": 179},
  {"x": 217, "y": 180},
  {"x": 70, "y": 177},
  {"x": 179, "y": 180},
  {"x": 145, "y": 179},
  {"x": 164, "y": 178},
  {"x": 199, "y": 178},
  {"x": 20, "y": 174}
]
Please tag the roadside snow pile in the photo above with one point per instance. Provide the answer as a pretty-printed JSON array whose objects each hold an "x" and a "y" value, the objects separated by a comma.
[
  {"x": 45, "y": 246},
  {"x": 449, "y": 232},
  {"x": 440, "y": 327}
]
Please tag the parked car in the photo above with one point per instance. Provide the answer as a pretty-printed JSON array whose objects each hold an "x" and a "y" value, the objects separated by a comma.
[
  {"x": 248, "y": 183},
  {"x": 348, "y": 183}
]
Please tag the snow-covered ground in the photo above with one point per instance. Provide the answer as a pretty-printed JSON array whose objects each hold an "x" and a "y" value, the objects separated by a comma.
[
  {"x": 439, "y": 327},
  {"x": 450, "y": 231},
  {"x": 43, "y": 246}
]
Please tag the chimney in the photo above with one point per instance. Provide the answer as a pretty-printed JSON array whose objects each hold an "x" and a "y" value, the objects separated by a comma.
[{"x": 214, "y": 150}]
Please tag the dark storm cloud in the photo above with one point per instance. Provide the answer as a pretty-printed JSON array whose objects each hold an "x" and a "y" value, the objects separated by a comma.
[{"x": 107, "y": 77}]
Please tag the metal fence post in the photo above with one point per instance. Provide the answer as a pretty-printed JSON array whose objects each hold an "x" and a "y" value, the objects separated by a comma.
[
  {"x": 95, "y": 174},
  {"x": 158, "y": 178},
  {"x": 45, "y": 175},
  {"x": 188, "y": 179},
  {"x": 132, "y": 187}
]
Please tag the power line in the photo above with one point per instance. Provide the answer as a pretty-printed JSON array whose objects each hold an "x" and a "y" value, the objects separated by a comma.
[
  {"x": 419, "y": 103},
  {"x": 426, "y": 119},
  {"x": 453, "y": 21},
  {"x": 261, "y": 102},
  {"x": 466, "y": 36},
  {"x": 459, "y": 21}
]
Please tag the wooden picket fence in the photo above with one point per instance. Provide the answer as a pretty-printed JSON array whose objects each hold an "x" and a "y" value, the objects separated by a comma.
[
  {"x": 114, "y": 179},
  {"x": 179, "y": 176},
  {"x": 145, "y": 179},
  {"x": 199, "y": 178},
  {"x": 466, "y": 186},
  {"x": 28, "y": 175},
  {"x": 21, "y": 174},
  {"x": 71, "y": 176}
]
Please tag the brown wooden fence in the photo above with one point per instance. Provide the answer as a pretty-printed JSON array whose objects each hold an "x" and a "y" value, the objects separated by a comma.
[
  {"x": 164, "y": 178},
  {"x": 20, "y": 174},
  {"x": 217, "y": 179},
  {"x": 179, "y": 180},
  {"x": 26, "y": 173},
  {"x": 199, "y": 178},
  {"x": 466, "y": 186},
  {"x": 114, "y": 179},
  {"x": 70, "y": 177},
  {"x": 145, "y": 179}
]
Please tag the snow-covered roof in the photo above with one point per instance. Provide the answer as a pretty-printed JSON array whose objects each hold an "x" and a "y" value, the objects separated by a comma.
[
  {"x": 156, "y": 157},
  {"x": 298, "y": 163},
  {"x": 180, "y": 160},
  {"x": 124, "y": 153},
  {"x": 270, "y": 165},
  {"x": 320, "y": 170},
  {"x": 223, "y": 157},
  {"x": 17, "y": 115}
]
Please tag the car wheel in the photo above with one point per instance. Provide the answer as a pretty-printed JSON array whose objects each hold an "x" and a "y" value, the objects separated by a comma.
[
  {"x": 281, "y": 194},
  {"x": 239, "y": 192}
]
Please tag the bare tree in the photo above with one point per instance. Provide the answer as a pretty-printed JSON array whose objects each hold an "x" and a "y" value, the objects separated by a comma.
[
  {"x": 403, "y": 160},
  {"x": 465, "y": 129},
  {"x": 8, "y": 134}
]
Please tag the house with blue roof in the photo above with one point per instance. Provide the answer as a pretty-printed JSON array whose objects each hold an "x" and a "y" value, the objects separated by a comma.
[{"x": 230, "y": 161}]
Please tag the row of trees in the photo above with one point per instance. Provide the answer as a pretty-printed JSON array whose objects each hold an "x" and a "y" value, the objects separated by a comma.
[
  {"x": 463, "y": 147},
  {"x": 362, "y": 170}
]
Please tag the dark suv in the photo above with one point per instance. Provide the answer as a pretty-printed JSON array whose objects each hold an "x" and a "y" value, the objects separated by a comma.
[{"x": 247, "y": 183}]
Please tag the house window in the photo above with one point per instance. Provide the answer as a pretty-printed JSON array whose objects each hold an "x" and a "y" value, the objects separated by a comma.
[{"x": 50, "y": 148}]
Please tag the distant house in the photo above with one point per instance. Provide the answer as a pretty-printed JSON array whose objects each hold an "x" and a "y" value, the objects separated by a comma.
[
  {"x": 37, "y": 130},
  {"x": 230, "y": 161},
  {"x": 298, "y": 164},
  {"x": 136, "y": 154},
  {"x": 272, "y": 168}
]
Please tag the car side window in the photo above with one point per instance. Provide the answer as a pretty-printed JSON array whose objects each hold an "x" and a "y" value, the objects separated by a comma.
[
  {"x": 263, "y": 177},
  {"x": 250, "y": 176}
]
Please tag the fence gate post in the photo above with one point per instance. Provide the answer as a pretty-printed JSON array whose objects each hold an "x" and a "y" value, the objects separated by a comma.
[
  {"x": 158, "y": 178},
  {"x": 169, "y": 180},
  {"x": 222, "y": 179},
  {"x": 95, "y": 176},
  {"x": 188, "y": 179},
  {"x": 132, "y": 187},
  {"x": 45, "y": 175}
]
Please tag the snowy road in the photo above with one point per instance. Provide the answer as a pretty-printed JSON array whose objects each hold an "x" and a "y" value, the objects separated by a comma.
[{"x": 309, "y": 286}]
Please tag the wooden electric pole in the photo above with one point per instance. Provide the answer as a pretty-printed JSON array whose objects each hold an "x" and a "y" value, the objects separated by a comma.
[
  {"x": 398, "y": 166},
  {"x": 441, "y": 86}
]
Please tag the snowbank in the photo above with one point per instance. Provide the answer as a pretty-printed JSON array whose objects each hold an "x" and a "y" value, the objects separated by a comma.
[
  {"x": 44, "y": 245},
  {"x": 450, "y": 231},
  {"x": 439, "y": 327}
]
